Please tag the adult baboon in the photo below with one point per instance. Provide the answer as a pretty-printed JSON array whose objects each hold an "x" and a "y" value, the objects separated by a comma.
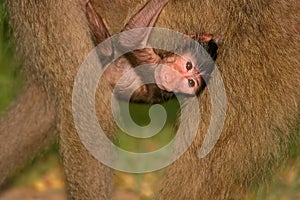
[{"x": 259, "y": 60}]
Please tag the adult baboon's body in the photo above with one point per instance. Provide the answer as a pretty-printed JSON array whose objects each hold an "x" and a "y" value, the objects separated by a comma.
[{"x": 259, "y": 60}]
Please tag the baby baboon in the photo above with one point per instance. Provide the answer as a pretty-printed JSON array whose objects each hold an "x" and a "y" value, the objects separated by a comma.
[
  {"x": 172, "y": 74},
  {"x": 258, "y": 60}
]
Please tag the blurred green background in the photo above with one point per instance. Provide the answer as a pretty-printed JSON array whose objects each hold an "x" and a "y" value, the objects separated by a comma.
[
  {"x": 10, "y": 79},
  {"x": 44, "y": 173}
]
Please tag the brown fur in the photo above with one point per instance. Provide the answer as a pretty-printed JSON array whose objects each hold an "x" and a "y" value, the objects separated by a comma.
[
  {"x": 53, "y": 38},
  {"x": 258, "y": 59},
  {"x": 26, "y": 127}
]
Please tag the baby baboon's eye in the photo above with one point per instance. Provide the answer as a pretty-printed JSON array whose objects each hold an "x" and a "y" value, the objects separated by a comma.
[
  {"x": 189, "y": 66},
  {"x": 191, "y": 82}
]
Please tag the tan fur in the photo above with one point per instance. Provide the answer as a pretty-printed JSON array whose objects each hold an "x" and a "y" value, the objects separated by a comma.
[
  {"x": 53, "y": 38},
  {"x": 25, "y": 129},
  {"x": 258, "y": 59}
]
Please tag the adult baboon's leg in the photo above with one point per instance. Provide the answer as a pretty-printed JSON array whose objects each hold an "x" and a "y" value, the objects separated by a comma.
[{"x": 25, "y": 128}]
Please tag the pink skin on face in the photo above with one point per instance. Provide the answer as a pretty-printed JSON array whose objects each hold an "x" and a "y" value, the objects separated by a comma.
[{"x": 178, "y": 74}]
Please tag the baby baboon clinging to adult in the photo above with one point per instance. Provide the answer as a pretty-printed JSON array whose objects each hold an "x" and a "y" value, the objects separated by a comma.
[
  {"x": 173, "y": 73},
  {"x": 258, "y": 59}
]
